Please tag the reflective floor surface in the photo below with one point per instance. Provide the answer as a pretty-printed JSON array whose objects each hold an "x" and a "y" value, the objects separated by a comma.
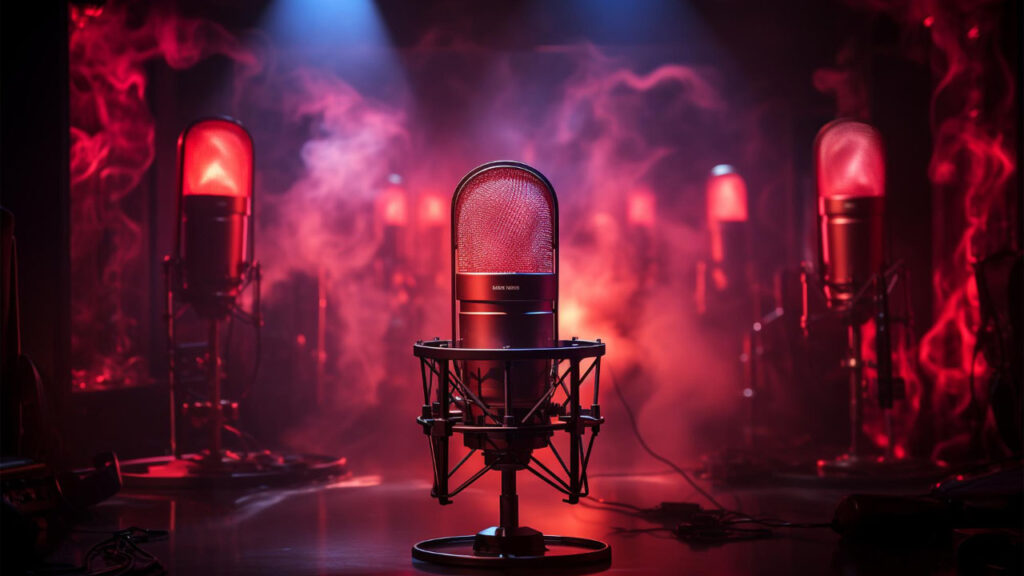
[{"x": 367, "y": 525}]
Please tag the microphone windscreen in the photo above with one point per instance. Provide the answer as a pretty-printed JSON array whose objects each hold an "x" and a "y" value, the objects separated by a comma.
[
  {"x": 217, "y": 157},
  {"x": 504, "y": 220},
  {"x": 850, "y": 160}
]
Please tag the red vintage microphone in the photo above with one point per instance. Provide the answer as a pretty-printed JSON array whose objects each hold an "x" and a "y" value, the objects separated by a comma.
[
  {"x": 211, "y": 264},
  {"x": 214, "y": 237},
  {"x": 505, "y": 382},
  {"x": 850, "y": 165},
  {"x": 213, "y": 247}
]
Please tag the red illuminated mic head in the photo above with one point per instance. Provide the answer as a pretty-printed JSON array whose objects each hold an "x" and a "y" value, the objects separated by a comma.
[
  {"x": 850, "y": 160},
  {"x": 216, "y": 159}
]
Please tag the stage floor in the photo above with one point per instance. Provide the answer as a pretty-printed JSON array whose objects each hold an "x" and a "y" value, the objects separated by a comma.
[{"x": 367, "y": 524}]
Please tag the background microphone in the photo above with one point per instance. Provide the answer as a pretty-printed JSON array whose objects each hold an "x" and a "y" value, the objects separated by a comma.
[
  {"x": 216, "y": 165},
  {"x": 850, "y": 165},
  {"x": 213, "y": 247},
  {"x": 727, "y": 226},
  {"x": 725, "y": 287}
]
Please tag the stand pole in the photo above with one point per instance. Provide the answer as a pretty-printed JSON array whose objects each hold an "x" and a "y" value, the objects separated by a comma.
[
  {"x": 509, "y": 501},
  {"x": 213, "y": 376},
  {"x": 172, "y": 353},
  {"x": 855, "y": 364},
  {"x": 883, "y": 348}
]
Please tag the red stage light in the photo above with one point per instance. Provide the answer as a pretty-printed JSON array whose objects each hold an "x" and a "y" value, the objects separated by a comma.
[
  {"x": 726, "y": 195},
  {"x": 850, "y": 160},
  {"x": 217, "y": 160},
  {"x": 432, "y": 210},
  {"x": 395, "y": 206},
  {"x": 641, "y": 209}
]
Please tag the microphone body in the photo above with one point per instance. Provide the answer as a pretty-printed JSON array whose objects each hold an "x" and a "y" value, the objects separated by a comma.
[
  {"x": 215, "y": 238},
  {"x": 495, "y": 382},
  {"x": 507, "y": 310},
  {"x": 852, "y": 251}
]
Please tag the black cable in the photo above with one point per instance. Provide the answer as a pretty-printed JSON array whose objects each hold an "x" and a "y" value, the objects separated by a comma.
[
  {"x": 120, "y": 554},
  {"x": 698, "y": 525},
  {"x": 652, "y": 453}
]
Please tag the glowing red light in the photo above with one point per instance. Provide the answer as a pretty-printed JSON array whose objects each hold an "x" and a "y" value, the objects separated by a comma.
[
  {"x": 928, "y": 21},
  {"x": 396, "y": 212},
  {"x": 726, "y": 195},
  {"x": 432, "y": 210},
  {"x": 217, "y": 159},
  {"x": 641, "y": 208},
  {"x": 850, "y": 160},
  {"x": 973, "y": 33}
]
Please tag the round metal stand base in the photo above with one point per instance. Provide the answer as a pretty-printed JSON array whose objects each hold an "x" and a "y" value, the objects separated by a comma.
[
  {"x": 561, "y": 552},
  {"x": 259, "y": 469}
]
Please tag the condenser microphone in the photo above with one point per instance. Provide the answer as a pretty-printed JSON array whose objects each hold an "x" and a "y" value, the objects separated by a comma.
[
  {"x": 215, "y": 158},
  {"x": 506, "y": 286},
  {"x": 850, "y": 166},
  {"x": 505, "y": 381}
]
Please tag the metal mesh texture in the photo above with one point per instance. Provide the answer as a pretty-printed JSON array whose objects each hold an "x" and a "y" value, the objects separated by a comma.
[{"x": 504, "y": 221}]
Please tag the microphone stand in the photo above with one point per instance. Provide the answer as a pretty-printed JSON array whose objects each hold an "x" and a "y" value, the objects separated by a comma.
[
  {"x": 217, "y": 467},
  {"x": 854, "y": 317},
  {"x": 213, "y": 381},
  {"x": 856, "y": 463},
  {"x": 854, "y": 363}
]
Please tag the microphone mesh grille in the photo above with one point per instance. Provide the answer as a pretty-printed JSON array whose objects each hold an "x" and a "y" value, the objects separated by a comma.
[
  {"x": 504, "y": 220},
  {"x": 850, "y": 160}
]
